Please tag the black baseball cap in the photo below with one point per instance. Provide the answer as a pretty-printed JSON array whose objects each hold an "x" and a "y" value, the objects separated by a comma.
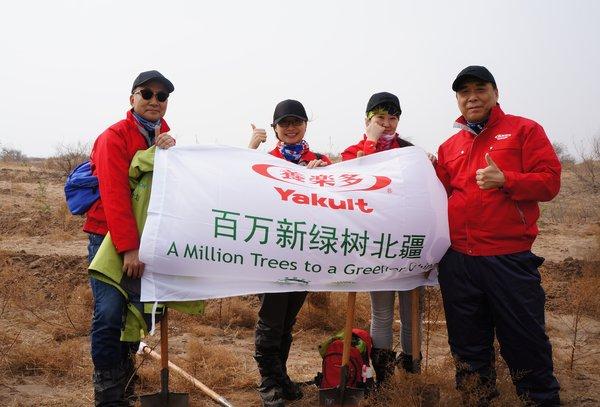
[
  {"x": 473, "y": 71},
  {"x": 148, "y": 76},
  {"x": 289, "y": 108},
  {"x": 383, "y": 98}
]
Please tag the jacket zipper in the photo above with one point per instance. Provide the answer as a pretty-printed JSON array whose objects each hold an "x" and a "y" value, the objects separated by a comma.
[{"x": 521, "y": 213}]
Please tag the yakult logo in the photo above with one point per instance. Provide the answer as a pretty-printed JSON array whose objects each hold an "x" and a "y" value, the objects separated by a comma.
[{"x": 344, "y": 182}]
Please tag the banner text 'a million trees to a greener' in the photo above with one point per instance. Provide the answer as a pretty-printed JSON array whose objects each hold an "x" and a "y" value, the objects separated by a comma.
[{"x": 227, "y": 221}]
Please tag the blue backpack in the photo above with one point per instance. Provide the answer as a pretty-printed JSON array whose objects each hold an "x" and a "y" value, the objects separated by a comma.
[{"x": 81, "y": 189}]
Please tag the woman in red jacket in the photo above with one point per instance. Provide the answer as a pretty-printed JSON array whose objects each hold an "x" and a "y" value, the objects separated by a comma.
[
  {"x": 383, "y": 113},
  {"x": 278, "y": 311}
]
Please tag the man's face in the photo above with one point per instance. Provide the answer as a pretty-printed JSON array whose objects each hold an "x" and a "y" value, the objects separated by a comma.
[
  {"x": 151, "y": 109},
  {"x": 476, "y": 99}
]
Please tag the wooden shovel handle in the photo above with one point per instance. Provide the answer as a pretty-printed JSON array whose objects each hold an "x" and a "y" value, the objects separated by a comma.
[
  {"x": 416, "y": 315},
  {"x": 164, "y": 340},
  {"x": 348, "y": 328}
]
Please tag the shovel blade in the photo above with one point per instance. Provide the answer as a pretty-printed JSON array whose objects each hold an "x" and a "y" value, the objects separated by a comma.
[
  {"x": 165, "y": 400},
  {"x": 338, "y": 397}
]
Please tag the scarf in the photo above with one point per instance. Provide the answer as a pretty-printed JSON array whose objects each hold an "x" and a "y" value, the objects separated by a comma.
[
  {"x": 385, "y": 141},
  {"x": 149, "y": 126},
  {"x": 293, "y": 152},
  {"x": 478, "y": 126}
]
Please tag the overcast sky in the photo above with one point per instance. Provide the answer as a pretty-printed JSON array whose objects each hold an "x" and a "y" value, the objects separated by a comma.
[{"x": 67, "y": 66}]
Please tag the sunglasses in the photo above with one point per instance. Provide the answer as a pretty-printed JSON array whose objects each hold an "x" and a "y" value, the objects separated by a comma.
[
  {"x": 294, "y": 122},
  {"x": 147, "y": 94}
]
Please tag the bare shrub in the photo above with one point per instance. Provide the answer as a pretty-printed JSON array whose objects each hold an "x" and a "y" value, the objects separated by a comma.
[
  {"x": 583, "y": 300},
  {"x": 12, "y": 155},
  {"x": 588, "y": 170},
  {"x": 68, "y": 156},
  {"x": 41, "y": 196},
  {"x": 563, "y": 154}
]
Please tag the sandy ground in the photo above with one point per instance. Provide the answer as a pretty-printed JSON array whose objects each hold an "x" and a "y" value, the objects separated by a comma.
[{"x": 45, "y": 309}]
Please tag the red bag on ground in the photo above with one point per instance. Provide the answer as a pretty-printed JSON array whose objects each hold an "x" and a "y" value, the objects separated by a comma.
[{"x": 358, "y": 364}]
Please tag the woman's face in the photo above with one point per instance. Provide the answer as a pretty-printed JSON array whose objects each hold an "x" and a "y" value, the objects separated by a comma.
[
  {"x": 387, "y": 121},
  {"x": 291, "y": 130}
]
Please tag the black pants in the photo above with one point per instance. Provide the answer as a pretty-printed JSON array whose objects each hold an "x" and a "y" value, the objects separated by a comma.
[
  {"x": 502, "y": 293},
  {"x": 273, "y": 336}
]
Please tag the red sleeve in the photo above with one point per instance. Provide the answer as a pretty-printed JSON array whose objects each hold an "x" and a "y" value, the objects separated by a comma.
[
  {"x": 366, "y": 146},
  {"x": 369, "y": 147},
  {"x": 540, "y": 179},
  {"x": 112, "y": 169},
  {"x": 349, "y": 153},
  {"x": 442, "y": 172}
]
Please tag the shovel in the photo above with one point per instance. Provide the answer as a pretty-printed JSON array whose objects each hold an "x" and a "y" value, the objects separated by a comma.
[
  {"x": 342, "y": 395},
  {"x": 165, "y": 398}
]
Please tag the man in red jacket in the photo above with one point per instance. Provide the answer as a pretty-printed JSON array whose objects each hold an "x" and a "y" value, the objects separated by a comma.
[
  {"x": 111, "y": 156},
  {"x": 496, "y": 169}
]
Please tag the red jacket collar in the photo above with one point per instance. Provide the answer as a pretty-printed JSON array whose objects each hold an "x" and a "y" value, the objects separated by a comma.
[
  {"x": 164, "y": 127},
  {"x": 495, "y": 114}
]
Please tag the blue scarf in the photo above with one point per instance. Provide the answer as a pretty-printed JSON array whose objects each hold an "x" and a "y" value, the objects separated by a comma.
[
  {"x": 478, "y": 126},
  {"x": 293, "y": 152},
  {"x": 147, "y": 125}
]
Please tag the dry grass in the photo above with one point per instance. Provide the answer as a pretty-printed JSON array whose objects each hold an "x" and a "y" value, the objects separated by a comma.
[
  {"x": 238, "y": 312},
  {"x": 214, "y": 365},
  {"x": 51, "y": 360},
  {"x": 573, "y": 205},
  {"x": 45, "y": 313},
  {"x": 328, "y": 312}
]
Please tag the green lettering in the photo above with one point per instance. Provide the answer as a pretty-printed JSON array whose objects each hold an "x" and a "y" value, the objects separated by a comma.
[
  {"x": 173, "y": 249},
  {"x": 189, "y": 252}
]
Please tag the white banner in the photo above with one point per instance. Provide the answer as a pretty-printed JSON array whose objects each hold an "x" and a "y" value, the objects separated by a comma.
[{"x": 227, "y": 221}]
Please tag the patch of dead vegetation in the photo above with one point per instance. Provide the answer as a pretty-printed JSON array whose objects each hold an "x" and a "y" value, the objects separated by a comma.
[{"x": 46, "y": 307}]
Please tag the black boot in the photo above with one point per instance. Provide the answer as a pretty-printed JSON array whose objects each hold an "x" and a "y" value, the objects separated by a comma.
[
  {"x": 408, "y": 364},
  {"x": 291, "y": 390},
  {"x": 109, "y": 387},
  {"x": 383, "y": 364},
  {"x": 270, "y": 388}
]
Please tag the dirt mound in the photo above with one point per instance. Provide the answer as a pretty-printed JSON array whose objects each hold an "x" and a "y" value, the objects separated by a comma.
[
  {"x": 39, "y": 223},
  {"x": 47, "y": 273},
  {"x": 564, "y": 270}
]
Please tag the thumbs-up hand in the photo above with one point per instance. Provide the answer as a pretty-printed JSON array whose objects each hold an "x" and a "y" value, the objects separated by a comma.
[
  {"x": 163, "y": 140},
  {"x": 491, "y": 176},
  {"x": 258, "y": 136}
]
